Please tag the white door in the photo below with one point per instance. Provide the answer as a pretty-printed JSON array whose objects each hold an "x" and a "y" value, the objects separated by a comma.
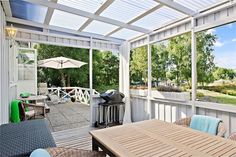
[{"x": 27, "y": 71}]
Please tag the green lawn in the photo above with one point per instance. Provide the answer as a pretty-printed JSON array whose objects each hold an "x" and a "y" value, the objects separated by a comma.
[{"x": 217, "y": 97}]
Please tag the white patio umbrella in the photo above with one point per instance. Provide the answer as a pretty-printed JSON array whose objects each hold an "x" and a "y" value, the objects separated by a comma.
[{"x": 60, "y": 63}]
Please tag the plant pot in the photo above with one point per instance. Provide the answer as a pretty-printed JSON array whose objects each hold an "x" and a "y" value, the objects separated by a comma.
[{"x": 72, "y": 99}]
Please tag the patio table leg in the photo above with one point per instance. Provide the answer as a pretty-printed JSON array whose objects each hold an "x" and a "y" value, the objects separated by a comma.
[{"x": 94, "y": 144}]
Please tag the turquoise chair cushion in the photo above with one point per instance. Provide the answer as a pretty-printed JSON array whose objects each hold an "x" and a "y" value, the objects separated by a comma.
[{"x": 40, "y": 153}]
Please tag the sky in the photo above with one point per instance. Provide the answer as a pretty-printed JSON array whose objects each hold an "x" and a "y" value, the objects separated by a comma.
[{"x": 225, "y": 46}]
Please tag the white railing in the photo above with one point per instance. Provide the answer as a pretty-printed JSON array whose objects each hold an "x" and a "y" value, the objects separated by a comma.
[
  {"x": 78, "y": 93},
  {"x": 172, "y": 110}
]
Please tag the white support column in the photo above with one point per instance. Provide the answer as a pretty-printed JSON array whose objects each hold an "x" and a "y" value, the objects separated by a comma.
[
  {"x": 149, "y": 51},
  {"x": 92, "y": 113},
  {"x": 124, "y": 79},
  {"x": 194, "y": 65}
]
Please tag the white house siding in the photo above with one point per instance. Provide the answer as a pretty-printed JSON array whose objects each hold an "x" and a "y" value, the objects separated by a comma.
[{"x": 4, "y": 70}]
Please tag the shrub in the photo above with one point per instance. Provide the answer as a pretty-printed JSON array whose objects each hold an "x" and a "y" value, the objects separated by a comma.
[
  {"x": 200, "y": 95},
  {"x": 168, "y": 89},
  {"x": 229, "y": 89}
]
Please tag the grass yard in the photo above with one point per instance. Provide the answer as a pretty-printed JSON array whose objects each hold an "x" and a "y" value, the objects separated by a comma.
[{"x": 216, "y": 97}]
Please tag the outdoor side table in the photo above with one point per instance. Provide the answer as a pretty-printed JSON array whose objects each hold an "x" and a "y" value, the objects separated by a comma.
[{"x": 20, "y": 139}]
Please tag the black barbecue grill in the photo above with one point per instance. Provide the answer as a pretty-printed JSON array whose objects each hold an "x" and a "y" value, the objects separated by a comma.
[
  {"x": 112, "y": 96},
  {"x": 110, "y": 109}
]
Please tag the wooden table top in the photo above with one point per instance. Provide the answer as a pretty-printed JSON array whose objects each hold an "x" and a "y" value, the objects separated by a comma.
[
  {"x": 33, "y": 98},
  {"x": 158, "y": 138}
]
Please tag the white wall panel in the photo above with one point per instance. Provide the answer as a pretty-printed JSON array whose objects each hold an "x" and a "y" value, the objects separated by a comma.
[{"x": 4, "y": 68}]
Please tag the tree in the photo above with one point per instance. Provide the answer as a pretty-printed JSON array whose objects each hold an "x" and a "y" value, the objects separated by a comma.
[
  {"x": 160, "y": 62},
  {"x": 179, "y": 49},
  {"x": 105, "y": 70},
  {"x": 223, "y": 73},
  {"x": 171, "y": 60},
  {"x": 138, "y": 64},
  {"x": 205, "y": 57}
]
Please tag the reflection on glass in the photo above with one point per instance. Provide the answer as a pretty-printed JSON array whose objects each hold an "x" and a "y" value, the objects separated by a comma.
[{"x": 26, "y": 65}]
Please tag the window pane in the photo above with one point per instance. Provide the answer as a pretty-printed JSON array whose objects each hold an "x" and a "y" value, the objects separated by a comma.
[
  {"x": 85, "y": 5},
  {"x": 28, "y": 11},
  {"x": 138, "y": 71},
  {"x": 216, "y": 65},
  {"x": 26, "y": 65},
  {"x": 105, "y": 70},
  {"x": 171, "y": 68},
  {"x": 126, "y": 34},
  {"x": 69, "y": 21},
  {"x": 126, "y": 10},
  {"x": 100, "y": 28}
]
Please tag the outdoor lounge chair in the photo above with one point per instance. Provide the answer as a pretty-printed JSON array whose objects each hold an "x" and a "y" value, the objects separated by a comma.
[
  {"x": 43, "y": 90},
  {"x": 232, "y": 136},
  {"x": 72, "y": 152},
  {"x": 29, "y": 111},
  {"x": 186, "y": 123}
]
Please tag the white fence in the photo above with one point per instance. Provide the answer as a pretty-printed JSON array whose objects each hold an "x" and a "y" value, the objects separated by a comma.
[
  {"x": 172, "y": 110},
  {"x": 78, "y": 93}
]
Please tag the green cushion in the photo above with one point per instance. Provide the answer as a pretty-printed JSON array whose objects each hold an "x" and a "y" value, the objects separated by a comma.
[{"x": 15, "y": 114}]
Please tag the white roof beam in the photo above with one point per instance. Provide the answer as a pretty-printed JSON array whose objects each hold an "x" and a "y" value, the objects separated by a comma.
[
  {"x": 87, "y": 15},
  {"x": 7, "y": 8},
  {"x": 49, "y": 14},
  {"x": 98, "y": 12},
  {"x": 61, "y": 29},
  {"x": 138, "y": 18},
  {"x": 176, "y": 6}
]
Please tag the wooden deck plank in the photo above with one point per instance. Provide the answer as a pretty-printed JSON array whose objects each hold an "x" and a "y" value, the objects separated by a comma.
[{"x": 74, "y": 138}]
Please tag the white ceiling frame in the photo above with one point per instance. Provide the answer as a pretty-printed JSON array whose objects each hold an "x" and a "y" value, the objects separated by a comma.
[
  {"x": 138, "y": 18},
  {"x": 49, "y": 14},
  {"x": 87, "y": 15},
  {"x": 218, "y": 9},
  {"x": 7, "y": 8},
  {"x": 61, "y": 29},
  {"x": 64, "y": 40},
  {"x": 98, "y": 12},
  {"x": 176, "y": 6}
]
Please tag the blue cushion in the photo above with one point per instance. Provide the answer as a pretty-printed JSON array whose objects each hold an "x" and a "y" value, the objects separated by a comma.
[{"x": 40, "y": 153}]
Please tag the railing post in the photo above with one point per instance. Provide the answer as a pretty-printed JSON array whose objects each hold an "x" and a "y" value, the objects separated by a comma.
[
  {"x": 76, "y": 93},
  {"x": 58, "y": 92},
  {"x": 194, "y": 65}
]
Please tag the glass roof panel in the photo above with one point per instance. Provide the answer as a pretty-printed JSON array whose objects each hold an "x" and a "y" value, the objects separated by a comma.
[
  {"x": 85, "y": 5},
  {"x": 197, "y": 5},
  {"x": 28, "y": 11},
  {"x": 67, "y": 20},
  {"x": 126, "y": 34},
  {"x": 159, "y": 18},
  {"x": 99, "y": 27},
  {"x": 126, "y": 10}
]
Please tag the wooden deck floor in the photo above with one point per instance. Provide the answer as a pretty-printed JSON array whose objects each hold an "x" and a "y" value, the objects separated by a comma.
[
  {"x": 74, "y": 138},
  {"x": 68, "y": 115}
]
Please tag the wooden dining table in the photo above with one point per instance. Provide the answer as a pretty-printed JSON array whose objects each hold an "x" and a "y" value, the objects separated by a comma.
[{"x": 159, "y": 138}]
